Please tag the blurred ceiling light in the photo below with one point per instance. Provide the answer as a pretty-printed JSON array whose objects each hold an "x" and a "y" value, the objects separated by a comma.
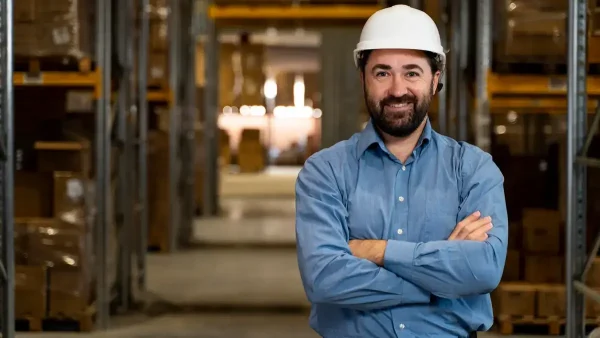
[
  {"x": 293, "y": 112},
  {"x": 500, "y": 129},
  {"x": 512, "y": 116},
  {"x": 253, "y": 110},
  {"x": 270, "y": 89},
  {"x": 299, "y": 91}
]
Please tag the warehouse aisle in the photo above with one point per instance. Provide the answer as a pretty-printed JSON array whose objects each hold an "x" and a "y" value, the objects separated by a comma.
[{"x": 211, "y": 326}]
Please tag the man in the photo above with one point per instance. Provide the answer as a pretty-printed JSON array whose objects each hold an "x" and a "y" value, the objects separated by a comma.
[{"x": 394, "y": 226}]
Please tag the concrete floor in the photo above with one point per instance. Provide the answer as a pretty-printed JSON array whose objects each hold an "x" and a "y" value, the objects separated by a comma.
[{"x": 227, "y": 277}]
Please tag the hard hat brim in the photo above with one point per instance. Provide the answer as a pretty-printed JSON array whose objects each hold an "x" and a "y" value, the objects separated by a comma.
[{"x": 375, "y": 45}]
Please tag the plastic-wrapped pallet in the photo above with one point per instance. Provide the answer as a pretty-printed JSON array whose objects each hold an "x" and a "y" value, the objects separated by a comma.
[
  {"x": 530, "y": 29},
  {"x": 54, "y": 28},
  {"x": 63, "y": 248}
]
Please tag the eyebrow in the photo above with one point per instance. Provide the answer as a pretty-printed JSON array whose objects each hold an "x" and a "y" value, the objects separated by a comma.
[{"x": 411, "y": 66}]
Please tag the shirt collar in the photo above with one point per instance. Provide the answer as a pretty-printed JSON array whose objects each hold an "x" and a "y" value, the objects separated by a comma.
[{"x": 370, "y": 136}]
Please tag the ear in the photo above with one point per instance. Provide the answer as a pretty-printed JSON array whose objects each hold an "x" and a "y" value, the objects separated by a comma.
[{"x": 436, "y": 82}]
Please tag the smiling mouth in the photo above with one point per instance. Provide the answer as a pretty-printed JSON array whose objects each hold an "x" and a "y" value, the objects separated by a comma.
[{"x": 399, "y": 105}]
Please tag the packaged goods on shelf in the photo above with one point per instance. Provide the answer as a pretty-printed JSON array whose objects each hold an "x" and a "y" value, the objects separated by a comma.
[
  {"x": 251, "y": 151},
  {"x": 55, "y": 254},
  {"x": 158, "y": 184},
  {"x": 531, "y": 29},
  {"x": 158, "y": 59},
  {"x": 241, "y": 75},
  {"x": 54, "y": 28}
]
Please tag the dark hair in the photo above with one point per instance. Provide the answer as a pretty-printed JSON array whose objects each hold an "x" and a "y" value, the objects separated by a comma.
[{"x": 434, "y": 60}]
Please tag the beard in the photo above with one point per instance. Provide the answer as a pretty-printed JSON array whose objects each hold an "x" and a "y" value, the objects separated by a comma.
[{"x": 399, "y": 123}]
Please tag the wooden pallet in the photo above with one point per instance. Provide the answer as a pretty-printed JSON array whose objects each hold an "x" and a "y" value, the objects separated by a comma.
[
  {"x": 554, "y": 326},
  {"x": 28, "y": 324},
  {"x": 35, "y": 65},
  {"x": 83, "y": 323}
]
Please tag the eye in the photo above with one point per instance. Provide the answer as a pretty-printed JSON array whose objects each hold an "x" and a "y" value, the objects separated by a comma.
[
  {"x": 381, "y": 74},
  {"x": 413, "y": 74}
]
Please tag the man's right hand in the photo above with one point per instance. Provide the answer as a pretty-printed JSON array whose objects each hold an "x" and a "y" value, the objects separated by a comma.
[{"x": 472, "y": 228}]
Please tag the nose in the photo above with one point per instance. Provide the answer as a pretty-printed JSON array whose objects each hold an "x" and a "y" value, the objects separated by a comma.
[{"x": 399, "y": 87}]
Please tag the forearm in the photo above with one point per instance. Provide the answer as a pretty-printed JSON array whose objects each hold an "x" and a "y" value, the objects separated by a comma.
[
  {"x": 350, "y": 282},
  {"x": 448, "y": 269}
]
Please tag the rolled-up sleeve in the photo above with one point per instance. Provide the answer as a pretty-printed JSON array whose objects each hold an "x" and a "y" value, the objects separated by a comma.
[
  {"x": 452, "y": 269},
  {"x": 330, "y": 274}
]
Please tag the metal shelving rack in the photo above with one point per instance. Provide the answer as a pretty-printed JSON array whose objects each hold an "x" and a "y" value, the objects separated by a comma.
[
  {"x": 125, "y": 125},
  {"x": 579, "y": 139},
  {"x": 183, "y": 19},
  {"x": 102, "y": 157},
  {"x": 578, "y": 260},
  {"x": 7, "y": 264}
]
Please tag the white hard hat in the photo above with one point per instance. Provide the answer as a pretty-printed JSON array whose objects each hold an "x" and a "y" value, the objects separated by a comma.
[{"x": 400, "y": 27}]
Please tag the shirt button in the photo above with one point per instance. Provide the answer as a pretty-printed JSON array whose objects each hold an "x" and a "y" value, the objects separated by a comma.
[
  {"x": 401, "y": 199},
  {"x": 403, "y": 168},
  {"x": 400, "y": 232},
  {"x": 401, "y": 326}
]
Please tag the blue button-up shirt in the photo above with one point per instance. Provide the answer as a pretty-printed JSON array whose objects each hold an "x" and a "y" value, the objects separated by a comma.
[{"x": 428, "y": 286}]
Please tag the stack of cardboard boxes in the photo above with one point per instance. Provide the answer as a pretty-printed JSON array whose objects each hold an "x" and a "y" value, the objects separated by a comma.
[
  {"x": 158, "y": 57},
  {"x": 533, "y": 286},
  {"x": 54, "y": 219},
  {"x": 251, "y": 152},
  {"x": 54, "y": 28},
  {"x": 531, "y": 30}
]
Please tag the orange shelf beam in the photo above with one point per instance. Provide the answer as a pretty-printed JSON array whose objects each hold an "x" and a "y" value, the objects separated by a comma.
[
  {"x": 63, "y": 79},
  {"x": 535, "y": 85},
  {"x": 542, "y": 104},
  {"x": 307, "y": 12}
]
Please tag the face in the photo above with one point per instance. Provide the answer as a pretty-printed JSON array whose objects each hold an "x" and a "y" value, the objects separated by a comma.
[{"x": 398, "y": 87}]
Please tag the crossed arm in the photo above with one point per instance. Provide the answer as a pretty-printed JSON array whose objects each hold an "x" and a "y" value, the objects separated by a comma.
[
  {"x": 330, "y": 273},
  {"x": 395, "y": 272}
]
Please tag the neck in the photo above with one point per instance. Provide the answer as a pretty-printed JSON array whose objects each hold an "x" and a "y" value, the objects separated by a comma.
[{"x": 402, "y": 147}]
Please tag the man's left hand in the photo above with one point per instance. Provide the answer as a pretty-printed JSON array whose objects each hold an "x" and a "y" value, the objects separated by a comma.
[{"x": 370, "y": 249}]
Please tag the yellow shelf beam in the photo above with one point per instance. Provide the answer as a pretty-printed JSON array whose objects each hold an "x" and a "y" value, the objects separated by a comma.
[
  {"x": 500, "y": 84},
  {"x": 59, "y": 79},
  {"x": 308, "y": 12},
  {"x": 548, "y": 105},
  {"x": 158, "y": 96},
  {"x": 541, "y": 103}
]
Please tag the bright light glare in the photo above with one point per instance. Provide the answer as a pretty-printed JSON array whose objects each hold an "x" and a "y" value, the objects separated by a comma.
[
  {"x": 299, "y": 91},
  {"x": 270, "y": 89}
]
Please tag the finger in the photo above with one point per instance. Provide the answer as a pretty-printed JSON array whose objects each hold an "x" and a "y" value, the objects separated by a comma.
[
  {"x": 476, "y": 225},
  {"x": 469, "y": 219},
  {"x": 481, "y": 233}
]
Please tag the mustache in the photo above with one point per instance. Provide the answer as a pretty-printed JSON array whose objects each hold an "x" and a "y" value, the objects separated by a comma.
[{"x": 399, "y": 99}]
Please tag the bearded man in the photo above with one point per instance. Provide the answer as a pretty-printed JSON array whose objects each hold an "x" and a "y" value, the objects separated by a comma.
[{"x": 401, "y": 231}]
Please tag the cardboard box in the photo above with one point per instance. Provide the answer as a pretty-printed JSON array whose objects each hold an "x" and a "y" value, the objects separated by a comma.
[
  {"x": 514, "y": 299},
  {"x": 544, "y": 269},
  {"x": 551, "y": 301},
  {"x": 30, "y": 292},
  {"x": 541, "y": 230},
  {"x": 512, "y": 268},
  {"x": 70, "y": 293}
]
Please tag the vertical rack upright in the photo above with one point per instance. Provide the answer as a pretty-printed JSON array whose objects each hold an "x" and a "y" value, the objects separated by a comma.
[
  {"x": 577, "y": 161},
  {"x": 482, "y": 118},
  {"x": 142, "y": 120},
  {"x": 7, "y": 266},
  {"x": 102, "y": 157}
]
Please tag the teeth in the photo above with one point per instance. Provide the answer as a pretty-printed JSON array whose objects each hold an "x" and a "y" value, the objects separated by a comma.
[{"x": 398, "y": 105}]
